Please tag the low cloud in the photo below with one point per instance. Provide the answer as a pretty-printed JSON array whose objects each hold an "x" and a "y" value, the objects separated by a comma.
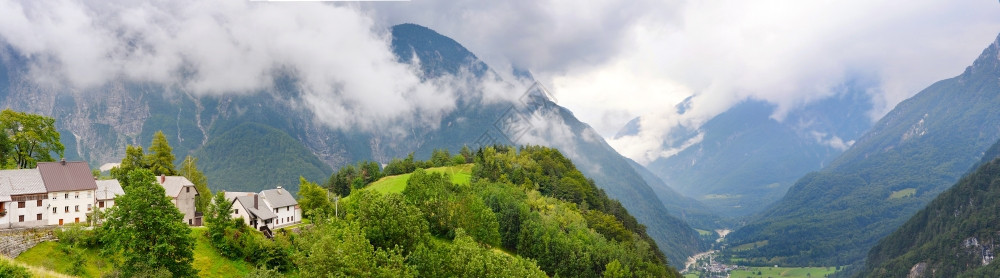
[{"x": 340, "y": 59}]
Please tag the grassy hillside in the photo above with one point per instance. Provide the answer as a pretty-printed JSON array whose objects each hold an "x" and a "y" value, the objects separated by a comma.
[
  {"x": 461, "y": 174},
  {"x": 67, "y": 259}
]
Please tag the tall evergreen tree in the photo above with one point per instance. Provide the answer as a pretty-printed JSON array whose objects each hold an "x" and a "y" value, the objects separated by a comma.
[
  {"x": 161, "y": 157},
  {"x": 134, "y": 159}
]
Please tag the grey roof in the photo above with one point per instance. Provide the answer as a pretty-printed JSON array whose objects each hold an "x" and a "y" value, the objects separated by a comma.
[
  {"x": 233, "y": 195},
  {"x": 262, "y": 211},
  {"x": 67, "y": 176},
  {"x": 279, "y": 197},
  {"x": 173, "y": 184},
  {"x": 108, "y": 189},
  {"x": 24, "y": 181}
]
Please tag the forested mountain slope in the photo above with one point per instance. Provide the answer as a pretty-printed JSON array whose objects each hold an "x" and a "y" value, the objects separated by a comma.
[
  {"x": 916, "y": 151},
  {"x": 955, "y": 235}
]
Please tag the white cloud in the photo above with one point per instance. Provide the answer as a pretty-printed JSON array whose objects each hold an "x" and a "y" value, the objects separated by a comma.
[{"x": 341, "y": 59}]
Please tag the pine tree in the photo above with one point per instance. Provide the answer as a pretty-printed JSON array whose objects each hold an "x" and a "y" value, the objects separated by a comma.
[{"x": 161, "y": 157}]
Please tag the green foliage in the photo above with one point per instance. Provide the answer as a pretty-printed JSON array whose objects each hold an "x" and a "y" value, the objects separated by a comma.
[
  {"x": 147, "y": 230},
  {"x": 313, "y": 199},
  {"x": 234, "y": 239},
  {"x": 448, "y": 207},
  {"x": 218, "y": 220},
  {"x": 400, "y": 166},
  {"x": 352, "y": 177},
  {"x": 388, "y": 221},
  {"x": 614, "y": 269},
  {"x": 440, "y": 157},
  {"x": 134, "y": 159},
  {"x": 27, "y": 139},
  {"x": 341, "y": 249},
  {"x": 8, "y": 269},
  {"x": 161, "y": 157},
  {"x": 189, "y": 169},
  {"x": 466, "y": 258}
]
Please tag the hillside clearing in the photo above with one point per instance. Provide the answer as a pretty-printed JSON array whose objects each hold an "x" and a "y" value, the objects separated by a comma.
[{"x": 461, "y": 174}]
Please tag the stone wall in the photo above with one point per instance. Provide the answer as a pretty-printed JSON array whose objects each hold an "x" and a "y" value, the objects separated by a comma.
[{"x": 15, "y": 241}]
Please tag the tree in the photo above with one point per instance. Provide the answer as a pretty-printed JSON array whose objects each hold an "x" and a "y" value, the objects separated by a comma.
[
  {"x": 189, "y": 169},
  {"x": 29, "y": 138},
  {"x": 313, "y": 199},
  {"x": 161, "y": 157},
  {"x": 146, "y": 230},
  {"x": 467, "y": 154},
  {"x": 134, "y": 159},
  {"x": 388, "y": 221},
  {"x": 218, "y": 219}
]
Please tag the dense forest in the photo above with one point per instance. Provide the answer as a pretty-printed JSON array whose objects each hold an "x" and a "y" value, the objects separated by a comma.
[{"x": 955, "y": 235}]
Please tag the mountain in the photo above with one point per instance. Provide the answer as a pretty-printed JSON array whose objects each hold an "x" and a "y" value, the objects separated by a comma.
[
  {"x": 955, "y": 235},
  {"x": 263, "y": 139},
  {"x": 746, "y": 159},
  {"x": 919, "y": 149},
  {"x": 695, "y": 213}
]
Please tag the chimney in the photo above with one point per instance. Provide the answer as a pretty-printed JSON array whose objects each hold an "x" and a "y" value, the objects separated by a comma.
[
  {"x": 255, "y": 201},
  {"x": 63, "y": 161},
  {"x": 163, "y": 178}
]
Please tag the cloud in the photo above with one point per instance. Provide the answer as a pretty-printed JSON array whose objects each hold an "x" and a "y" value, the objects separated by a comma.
[{"x": 340, "y": 58}]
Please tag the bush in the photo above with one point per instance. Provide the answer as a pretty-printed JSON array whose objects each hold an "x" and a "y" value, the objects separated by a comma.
[{"x": 8, "y": 269}]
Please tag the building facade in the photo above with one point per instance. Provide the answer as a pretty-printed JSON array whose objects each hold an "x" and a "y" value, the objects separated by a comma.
[
  {"x": 183, "y": 195},
  {"x": 71, "y": 190},
  {"x": 284, "y": 206}
]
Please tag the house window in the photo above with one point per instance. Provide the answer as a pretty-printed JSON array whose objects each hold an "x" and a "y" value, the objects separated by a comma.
[
  {"x": 20, "y": 204},
  {"x": 88, "y": 207},
  {"x": 189, "y": 222},
  {"x": 77, "y": 195},
  {"x": 66, "y": 196},
  {"x": 67, "y": 209},
  {"x": 88, "y": 194},
  {"x": 187, "y": 190},
  {"x": 275, "y": 210},
  {"x": 38, "y": 216},
  {"x": 1, "y": 207},
  {"x": 76, "y": 220},
  {"x": 100, "y": 204},
  {"x": 38, "y": 203},
  {"x": 53, "y": 210},
  {"x": 76, "y": 208},
  {"x": 20, "y": 218},
  {"x": 236, "y": 211}
]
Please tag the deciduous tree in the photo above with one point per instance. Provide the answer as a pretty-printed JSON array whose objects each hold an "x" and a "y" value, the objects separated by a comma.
[{"x": 29, "y": 138}]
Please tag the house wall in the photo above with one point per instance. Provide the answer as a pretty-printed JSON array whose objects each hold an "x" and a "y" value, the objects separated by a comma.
[
  {"x": 30, "y": 212},
  {"x": 79, "y": 203},
  {"x": 107, "y": 204},
  {"x": 240, "y": 211},
  {"x": 287, "y": 216},
  {"x": 185, "y": 202}
]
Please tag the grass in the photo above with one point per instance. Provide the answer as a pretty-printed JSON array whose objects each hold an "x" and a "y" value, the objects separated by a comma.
[
  {"x": 461, "y": 174},
  {"x": 58, "y": 257},
  {"x": 909, "y": 192},
  {"x": 209, "y": 263},
  {"x": 64, "y": 258},
  {"x": 791, "y": 272},
  {"x": 34, "y": 270},
  {"x": 704, "y": 232},
  {"x": 749, "y": 246}
]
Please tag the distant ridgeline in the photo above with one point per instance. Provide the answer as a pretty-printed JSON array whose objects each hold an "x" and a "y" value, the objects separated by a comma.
[
  {"x": 522, "y": 204},
  {"x": 957, "y": 234},
  {"x": 919, "y": 149}
]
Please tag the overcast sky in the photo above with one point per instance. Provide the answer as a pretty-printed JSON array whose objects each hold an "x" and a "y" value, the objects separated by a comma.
[{"x": 607, "y": 61}]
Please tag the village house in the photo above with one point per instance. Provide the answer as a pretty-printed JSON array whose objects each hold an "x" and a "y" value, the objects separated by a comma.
[
  {"x": 70, "y": 187},
  {"x": 183, "y": 194},
  {"x": 23, "y": 199},
  {"x": 255, "y": 212},
  {"x": 284, "y": 205},
  {"x": 106, "y": 192}
]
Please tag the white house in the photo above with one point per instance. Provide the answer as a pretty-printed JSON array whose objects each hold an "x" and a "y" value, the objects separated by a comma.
[
  {"x": 183, "y": 194},
  {"x": 255, "y": 212},
  {"x": 71, "y": 188},
  {"x": 284, "y": 206},
  {"x": 23, "y": 199},
  {"x": 106, "y": 192}
]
